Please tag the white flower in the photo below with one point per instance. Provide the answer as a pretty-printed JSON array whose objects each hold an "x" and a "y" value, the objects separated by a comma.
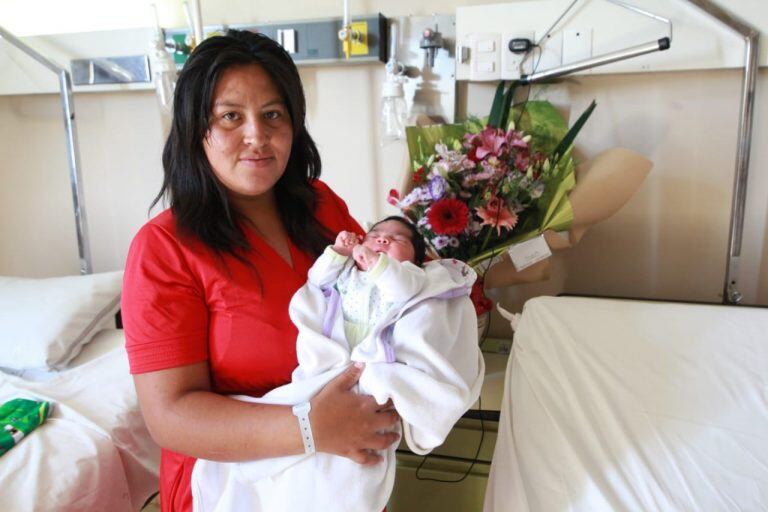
[
  {"x": 474, "y": 227},
  {"x": 440, "y": 242}
]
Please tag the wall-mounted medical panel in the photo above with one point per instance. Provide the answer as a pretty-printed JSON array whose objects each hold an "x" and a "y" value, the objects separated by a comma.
[
  {"x": 308, "y": 42},
  {"x": 596, "y": 27},
  {"x": 429, "y": 89}
]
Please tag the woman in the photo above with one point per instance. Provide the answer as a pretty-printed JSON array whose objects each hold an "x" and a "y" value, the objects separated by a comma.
[{"x": 208, "y": 281}]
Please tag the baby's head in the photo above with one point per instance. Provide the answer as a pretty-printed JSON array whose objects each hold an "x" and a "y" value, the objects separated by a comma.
[{"x": 398, "y": 238}]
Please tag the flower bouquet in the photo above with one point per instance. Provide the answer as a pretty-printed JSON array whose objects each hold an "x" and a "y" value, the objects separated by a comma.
[{"x": 483, "y": 185}]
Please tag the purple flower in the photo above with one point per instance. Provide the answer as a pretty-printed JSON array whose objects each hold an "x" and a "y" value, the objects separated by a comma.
[
  {"x": 437, "y": 187},
  {"x": 418, "y": 195}
]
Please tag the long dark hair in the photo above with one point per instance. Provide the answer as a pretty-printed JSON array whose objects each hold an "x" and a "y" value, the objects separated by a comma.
[
  {"x": 197, "y": 199},
  {"x": 417, "y": 241}
]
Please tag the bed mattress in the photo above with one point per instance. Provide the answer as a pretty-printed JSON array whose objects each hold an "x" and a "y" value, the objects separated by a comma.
[
  {"x": 94, "y": 452},
  {"x": 615, "y": 405}
]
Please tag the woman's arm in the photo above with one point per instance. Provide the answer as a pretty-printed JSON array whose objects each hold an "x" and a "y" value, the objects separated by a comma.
[{"x": 185, "y": 416}]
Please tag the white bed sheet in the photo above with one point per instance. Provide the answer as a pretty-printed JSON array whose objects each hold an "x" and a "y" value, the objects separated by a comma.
[
  {"x": 617, "y": 405},
  {"x": 94, "y": 452}
]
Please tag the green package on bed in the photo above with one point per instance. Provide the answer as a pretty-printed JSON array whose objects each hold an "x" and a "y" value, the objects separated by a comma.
[{"x": 19, "y": 417}]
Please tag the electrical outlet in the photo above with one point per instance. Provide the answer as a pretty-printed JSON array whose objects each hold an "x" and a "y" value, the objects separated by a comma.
[
  {"x": 577, "y": 45},
  {"x": 513, "y": 64}
]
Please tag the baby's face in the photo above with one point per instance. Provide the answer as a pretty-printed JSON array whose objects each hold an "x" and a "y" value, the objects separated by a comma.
[{"x": 393, "y": 238}]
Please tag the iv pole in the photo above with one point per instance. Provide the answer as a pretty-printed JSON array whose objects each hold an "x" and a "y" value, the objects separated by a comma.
[{"x": 73, "y": 155}]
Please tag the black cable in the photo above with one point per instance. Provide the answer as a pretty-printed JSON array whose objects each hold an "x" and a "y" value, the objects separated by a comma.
[
  {"x": 528, "y": 86},
  {"x": 472, "y": 464},
  {"x": 475, "y": 459},
  {"x": 484, "y": 334},
  {"x": 149, "y": 500}
]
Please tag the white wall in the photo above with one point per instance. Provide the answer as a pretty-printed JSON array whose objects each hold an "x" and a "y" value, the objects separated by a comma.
[{"x": 668, "y": 242}]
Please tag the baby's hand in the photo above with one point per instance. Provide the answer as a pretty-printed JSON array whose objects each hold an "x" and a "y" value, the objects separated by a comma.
[
  {"x": 345, "y": 241},
  {"x": 365, "y": 257}
]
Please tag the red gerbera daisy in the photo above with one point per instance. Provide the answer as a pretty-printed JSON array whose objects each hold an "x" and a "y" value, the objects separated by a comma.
[{"x": 448, "y": 217}]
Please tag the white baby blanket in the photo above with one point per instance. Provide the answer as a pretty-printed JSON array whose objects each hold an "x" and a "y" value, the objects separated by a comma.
[{"x": 436, "y": 376}]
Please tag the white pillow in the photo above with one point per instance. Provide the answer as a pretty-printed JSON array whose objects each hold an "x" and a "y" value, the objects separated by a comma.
[{"x": 45, "y": 322}]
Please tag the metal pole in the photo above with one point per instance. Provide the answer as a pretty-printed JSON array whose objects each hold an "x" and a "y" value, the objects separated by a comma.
[
  {"x": 600, "y": 60},
  {"x": 73, "y": 155},
  {"x": 751, "y": 37}
]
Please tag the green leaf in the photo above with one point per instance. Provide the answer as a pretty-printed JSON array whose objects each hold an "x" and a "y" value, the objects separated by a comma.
[
  {"x": 543, "y": 122},
  {"x": 567, "y": 141},
  {"x": 474, "y": 124},
  {"x": 497, "y": 109},
  {"x": 421, "y": 140},
  {"x": 507, "y": 103}
]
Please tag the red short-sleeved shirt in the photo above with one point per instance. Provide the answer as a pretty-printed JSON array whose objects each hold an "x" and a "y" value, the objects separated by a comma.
[{"x": 180, "y": 306}]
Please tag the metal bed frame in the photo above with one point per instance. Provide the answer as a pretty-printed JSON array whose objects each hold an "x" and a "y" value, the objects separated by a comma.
[
  {"x": 73, "y": 154},
  {"x": 751, "y": 37}
]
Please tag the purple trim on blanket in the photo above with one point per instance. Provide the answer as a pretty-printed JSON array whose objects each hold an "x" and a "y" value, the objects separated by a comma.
[
  {"x": 334, "y": 299},
  {"x": 386, "y": 342},
  {"x": 455, "y": 292},
  {"x": 385, "y": 338}
]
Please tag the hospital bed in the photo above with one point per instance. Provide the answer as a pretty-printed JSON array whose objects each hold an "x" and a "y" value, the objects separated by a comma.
[
  {"x": 94, "y": 451},
  {"x": 626, "y": 405}
]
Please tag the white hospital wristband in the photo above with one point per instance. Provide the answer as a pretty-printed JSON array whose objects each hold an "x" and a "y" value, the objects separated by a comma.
[{"x": 301, "y": 411}]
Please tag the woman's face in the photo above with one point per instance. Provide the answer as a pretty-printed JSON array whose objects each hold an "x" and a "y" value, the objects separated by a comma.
[{"x": 249, "y": 139}]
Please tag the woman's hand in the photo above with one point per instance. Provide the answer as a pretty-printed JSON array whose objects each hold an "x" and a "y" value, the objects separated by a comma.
[{"x": 351, "y": 425}]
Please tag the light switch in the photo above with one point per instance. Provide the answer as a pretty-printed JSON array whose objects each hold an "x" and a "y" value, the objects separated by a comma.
[
  {"x": 486, "y": 46},
  {"x": 486, "y": 67},
  {"x": 484, "y": 56}
]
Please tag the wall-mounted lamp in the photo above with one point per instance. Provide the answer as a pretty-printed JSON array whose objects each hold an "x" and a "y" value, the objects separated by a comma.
[{"x": 607, "y": 58}]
